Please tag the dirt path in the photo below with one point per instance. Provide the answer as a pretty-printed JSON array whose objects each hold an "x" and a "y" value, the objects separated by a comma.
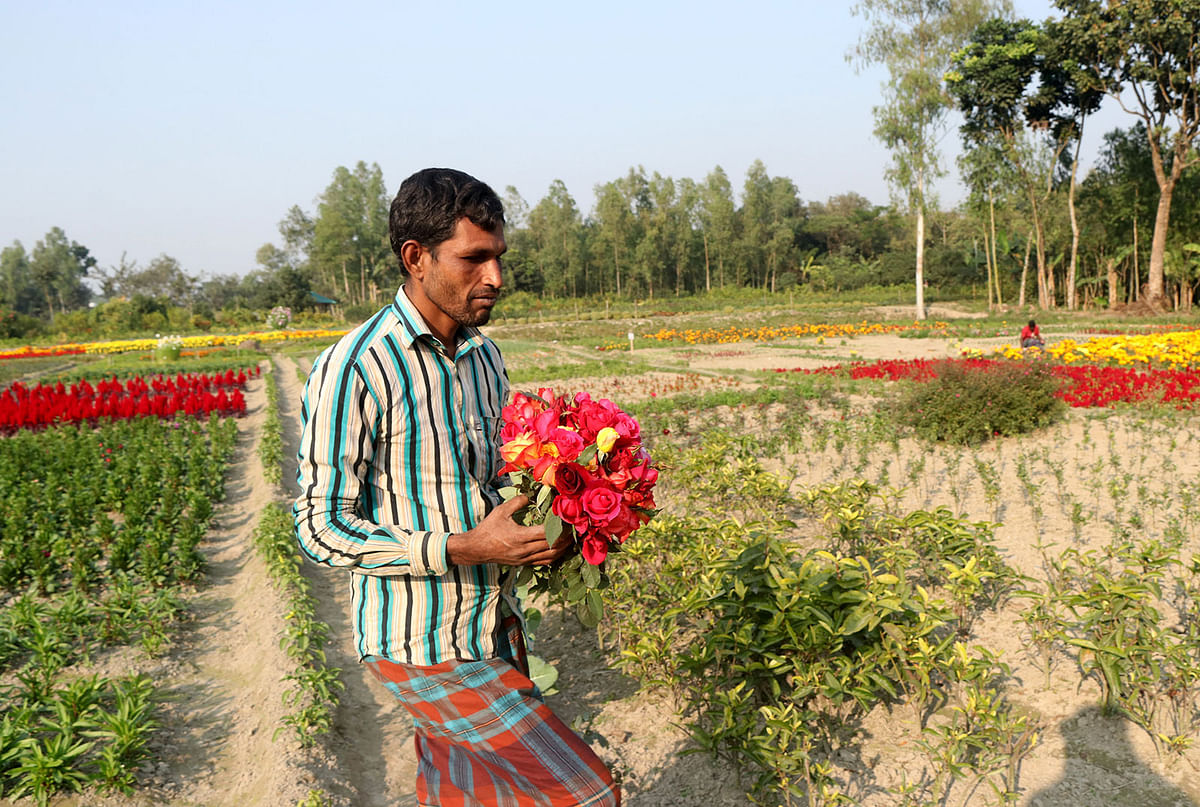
[{"x": 372, "y": 738}]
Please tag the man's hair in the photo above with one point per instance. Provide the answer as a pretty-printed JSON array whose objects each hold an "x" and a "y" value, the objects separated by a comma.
[
  {"x": 430, "y": 202},
  {"x": 1032, "y": 324}
]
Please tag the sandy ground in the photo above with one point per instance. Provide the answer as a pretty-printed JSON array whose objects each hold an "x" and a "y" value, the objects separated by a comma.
[{"x": 222, "y": 675}]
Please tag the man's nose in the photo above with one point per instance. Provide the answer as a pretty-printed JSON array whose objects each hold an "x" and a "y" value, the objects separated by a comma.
[{"x": 492, "y": 274}]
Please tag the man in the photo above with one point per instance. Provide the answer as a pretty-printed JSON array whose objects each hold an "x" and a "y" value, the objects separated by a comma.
[{"x": 398, "y": 484}]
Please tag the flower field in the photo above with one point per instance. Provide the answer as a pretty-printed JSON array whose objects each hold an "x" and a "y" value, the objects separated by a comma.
[
  {"x": 41, "y": 405},
  {"x": 830, "y": 608},
  {"x": 99, "y": 530},
  {"x": 1083, "y": 385},
  {"x": 149, "y": 344}
]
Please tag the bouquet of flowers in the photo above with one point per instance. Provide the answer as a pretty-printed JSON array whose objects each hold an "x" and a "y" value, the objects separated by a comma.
[{"x": 588, "y": 479}]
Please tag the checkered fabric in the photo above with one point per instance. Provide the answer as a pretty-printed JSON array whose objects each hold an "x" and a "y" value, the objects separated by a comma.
[{"x": 484, "y": 738}]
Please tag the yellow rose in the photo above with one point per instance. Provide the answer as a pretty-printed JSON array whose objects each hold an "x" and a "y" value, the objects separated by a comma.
[{"x": 606, "y": 438}]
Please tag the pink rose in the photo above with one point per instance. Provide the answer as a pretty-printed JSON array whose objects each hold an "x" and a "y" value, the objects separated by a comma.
[
  {"x": 569, "y": 444},
  {"x": 601, "y": 503}
]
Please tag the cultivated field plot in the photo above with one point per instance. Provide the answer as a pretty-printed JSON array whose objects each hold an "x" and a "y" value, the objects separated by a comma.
[{"x": 1019, "y": 617}]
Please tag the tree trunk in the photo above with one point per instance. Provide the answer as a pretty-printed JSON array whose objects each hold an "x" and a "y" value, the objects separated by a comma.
[
  {"x": 987, "y": 261},
  {"x": 1136, "y": 285},
  {"x": 1025, "y": 270},
  {"x": 707, "y": 277},
  {"x": 1074, "y": 230},
  {"x": 617, "y": 267},
  {"x": 1158, "y": 247},
  {"x": 1112, "y": 284},
  {"x": 995, "y": 263},
  {"x": 920, "y": 252}
]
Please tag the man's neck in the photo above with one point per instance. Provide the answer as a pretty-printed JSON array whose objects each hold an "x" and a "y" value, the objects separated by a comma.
[{"x": 420, "y": 302}]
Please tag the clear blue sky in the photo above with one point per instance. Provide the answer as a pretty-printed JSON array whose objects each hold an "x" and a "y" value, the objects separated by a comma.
[{"x": 190, "y": 128}]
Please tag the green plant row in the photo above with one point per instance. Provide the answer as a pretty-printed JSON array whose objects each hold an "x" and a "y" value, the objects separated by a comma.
[
  {"x": 315, "y": 688},
  {"x": 270, "y": 444},
  {"x": 127, "y": 366},
  {"x": 776, "y": 652},
  {"x": 99, "y": 532}
]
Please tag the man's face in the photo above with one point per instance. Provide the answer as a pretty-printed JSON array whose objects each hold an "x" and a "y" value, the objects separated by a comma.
[{"x": 461, "y": 275}]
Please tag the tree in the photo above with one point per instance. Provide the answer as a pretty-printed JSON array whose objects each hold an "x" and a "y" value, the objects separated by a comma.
[
  {"x": 915, "y": 39},
  {"x": 1150, "y": 49},
  {"x": 557, "y": 231},
  {"x": 162, "y": 278},
  {"x": 350, "y": 234},
  {"x": 615, "y": 225},
  {"x": 991, "y": 78},
  {"x": 57, "y": 267},
  {"x": 17, "y": 290},
  {"x": 717, "y": 222}
]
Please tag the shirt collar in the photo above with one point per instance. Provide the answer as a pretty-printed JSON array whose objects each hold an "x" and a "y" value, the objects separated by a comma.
[{"x": 413, "y": 327}]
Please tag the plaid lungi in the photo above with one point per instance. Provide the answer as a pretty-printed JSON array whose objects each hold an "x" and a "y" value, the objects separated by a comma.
[{"x": 484, "y": 737}]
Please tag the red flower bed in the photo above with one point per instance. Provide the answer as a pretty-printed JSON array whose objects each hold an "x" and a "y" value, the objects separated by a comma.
[
  {"x": 41, "y": 405},
  {"x": 1083, "y": 385}
]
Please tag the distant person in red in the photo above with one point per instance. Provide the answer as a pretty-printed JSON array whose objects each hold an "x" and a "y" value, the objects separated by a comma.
[{"x": 1031, "y": 336}]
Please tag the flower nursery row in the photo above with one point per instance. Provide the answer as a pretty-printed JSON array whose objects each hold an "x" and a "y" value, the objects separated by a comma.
[
  {"x": 41, "y": 405},
  {"x": 1083, "y": 385},
  {"x": 1178, "y": 350},
  {"x": 201, "y": 341},
  {"x": 767, "y": 333}
]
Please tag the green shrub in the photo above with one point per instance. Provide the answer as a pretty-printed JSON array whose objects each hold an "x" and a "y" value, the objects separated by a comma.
[{"x": 969, "y": 403}]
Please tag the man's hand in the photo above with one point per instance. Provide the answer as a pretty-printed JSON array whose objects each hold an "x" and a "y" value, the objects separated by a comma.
[{"x": 499, "y": 539}]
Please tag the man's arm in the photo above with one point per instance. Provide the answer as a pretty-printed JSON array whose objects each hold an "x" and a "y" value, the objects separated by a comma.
[
  {"x": 340, "y": 422},
  {"x": 340, "y": 419},
  {"x": 499, "y": 539}
]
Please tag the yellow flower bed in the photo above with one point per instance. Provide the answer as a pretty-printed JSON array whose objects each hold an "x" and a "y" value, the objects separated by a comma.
[
  {"x": 207, "y": 340},
  {"x": 766, "y": 333},
  {"x": 1177, "y": 350}
]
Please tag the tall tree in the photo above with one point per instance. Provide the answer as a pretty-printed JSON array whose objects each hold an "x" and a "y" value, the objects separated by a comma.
[
  {"x": 1147, "y": 50},
  {"x": 556, "y": 227},
  {"x": 57, "y": 267},
  {"x": 17, "y": 290},
  {"x": 914, "y": 40},
  {"x": 717, "y": 223},
  {"x": 350, "y": 246},
  {"x": 615, "y": 227},
  {"x": 992, "y": 79}
]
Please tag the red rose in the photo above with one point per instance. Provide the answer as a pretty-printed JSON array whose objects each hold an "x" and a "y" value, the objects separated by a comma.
[
  {"x": 625, "y": 523},
  {"x": 601, "y": 503},
  {"x": 571, "y": 479},
  {"x": 594, "y": 549},
  {"x": 570, "y": 510}
]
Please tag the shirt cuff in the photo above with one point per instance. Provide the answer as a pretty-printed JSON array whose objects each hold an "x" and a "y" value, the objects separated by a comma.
[{"x": 427, "y": 553}]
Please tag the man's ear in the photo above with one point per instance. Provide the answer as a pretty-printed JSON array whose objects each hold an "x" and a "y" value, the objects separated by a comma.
[{"x": 414, "y": 257}]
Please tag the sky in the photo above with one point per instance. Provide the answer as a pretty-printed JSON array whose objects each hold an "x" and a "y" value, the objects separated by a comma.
[{"x": 190, "y": 128}]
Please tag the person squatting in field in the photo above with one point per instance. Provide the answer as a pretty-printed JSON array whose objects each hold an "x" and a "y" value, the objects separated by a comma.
[
  {"x": 398, "y": 474},
  {"x": 1031, "y": 336}
]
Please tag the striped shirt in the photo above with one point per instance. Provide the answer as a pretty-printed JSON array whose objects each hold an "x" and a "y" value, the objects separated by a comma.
[{"x": 399, "y": 450}]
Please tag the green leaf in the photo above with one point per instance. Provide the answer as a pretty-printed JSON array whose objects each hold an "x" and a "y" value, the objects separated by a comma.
[
  {"x": 543, "y": 498},
  {"x": 554, "y": 529},
  {"x": 591, "y": 575},
  {"x": 587, "y": 455},
  {"x": 507, "y": 492},
  {"x": 543, "y": 674}
]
